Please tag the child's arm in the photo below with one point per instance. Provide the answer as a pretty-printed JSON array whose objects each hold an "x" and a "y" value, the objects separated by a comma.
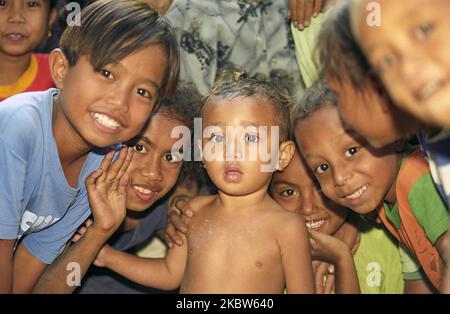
[
  {"x": 296, "y": 256},
  {"x": 106, "y": 190},
  {"x": 332, "y": 250},
  {"x": 6, "y": 265},
  {"x": 164, "y": 274}
]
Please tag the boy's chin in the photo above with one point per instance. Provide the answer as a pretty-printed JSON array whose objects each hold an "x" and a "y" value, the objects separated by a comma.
[{"x": 140, "y": 207}]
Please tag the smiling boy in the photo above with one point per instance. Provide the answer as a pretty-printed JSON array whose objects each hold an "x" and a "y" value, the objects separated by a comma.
[{"x": 108, "y": 85}]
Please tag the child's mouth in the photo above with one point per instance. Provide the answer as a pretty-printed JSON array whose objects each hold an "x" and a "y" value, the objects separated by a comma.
[
  {"x": 16, "y": 37},
  {"x": 233, "y": 173},
  {"x": 105, "y": 123},
  {"x": 144, "y": 193},
  {"x": 429, "y": 90},
  {"x": 358, "y": 196},
  {"x": 315, "y": 225}
]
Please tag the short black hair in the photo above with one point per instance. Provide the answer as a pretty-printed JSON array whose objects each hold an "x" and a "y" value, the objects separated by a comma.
[
  {"x": 316, "y": 97},
  {"x": 184, "y": 106},
  {"x": 111, "y": 30}
]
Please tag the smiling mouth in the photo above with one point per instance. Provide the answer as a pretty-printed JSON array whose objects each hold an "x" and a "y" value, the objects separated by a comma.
[
  {"x": 15, "y": 36},
  {"x": 144, "y": 193},
  {"x": 358, "y": 193},
  {"x": 429, "y": 90},
  {"x": 105, "y": 121},
  {"x": 315, "y": 225}
]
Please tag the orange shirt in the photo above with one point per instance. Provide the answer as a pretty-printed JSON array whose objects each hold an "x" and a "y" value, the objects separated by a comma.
[
  {"x": 410, "y": 232},
  {"x": 36, "y": 78}
]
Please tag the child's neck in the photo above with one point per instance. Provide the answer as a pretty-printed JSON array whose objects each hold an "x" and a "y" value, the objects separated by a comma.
[
  {"x": 234, "y": 202},
  {"x": 13, "y": 67}
]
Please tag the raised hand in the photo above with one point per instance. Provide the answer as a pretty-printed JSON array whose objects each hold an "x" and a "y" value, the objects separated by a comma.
[
  {"x": 107, "y": 191},
  {"x": 326, "y": 248},
  {"x": 323, "y": 277},
  {"x": 178, "y": 218}
]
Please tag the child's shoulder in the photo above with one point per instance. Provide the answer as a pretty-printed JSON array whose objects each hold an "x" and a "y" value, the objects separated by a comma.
[
  {"x": 413, "y": 167},
  {"x": 276, "y": 214},
  {"x": 24, "y": 117},
  {"x": 199, "y": 202}
]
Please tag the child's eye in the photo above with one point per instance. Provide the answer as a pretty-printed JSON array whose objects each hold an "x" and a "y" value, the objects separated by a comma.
[
  {"x": 321, "y": 168},
  {"x": 106, "y": 74},
  {"x": 172, "y": 157},
  {"x": 217, "y": 138},
  {"x": 252, "y": 138},
  {"x": 139, "y": 148},
  {"x": 386, "y": 62},
  {"x": 351, "y": 151},
  {"x": 3, "y": 3},
  {"x": 144, "y": 93},
  {"x": 33, "y": 4},
  {"x": 288, "y": 193},
  {"x": 423, "y": 31}
]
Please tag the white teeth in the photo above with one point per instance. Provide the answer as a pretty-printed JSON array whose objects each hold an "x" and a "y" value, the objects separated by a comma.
[
  {"x": 105, "y": 120},
  {"x": 315, "y": 224},
  {"x": 429, "y": 90},
  {"x": 358, "y": 193},
  {"x": 142, "y": 190}
]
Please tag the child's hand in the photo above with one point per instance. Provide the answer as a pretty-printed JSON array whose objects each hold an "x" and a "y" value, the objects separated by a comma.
[
  {"x": 327, "y": 248},
  {"x": 81, "y": 230},
  {"x": 102, "y": 256},
  {"x": 324, "y": 277},
  {"x": 107, "y": 189},
  {"x": 178, "y": 219},
  {"x": 301, "y": 11}
]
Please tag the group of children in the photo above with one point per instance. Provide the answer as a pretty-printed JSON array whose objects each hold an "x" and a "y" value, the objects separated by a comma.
[{"x": 330, "y": 194}]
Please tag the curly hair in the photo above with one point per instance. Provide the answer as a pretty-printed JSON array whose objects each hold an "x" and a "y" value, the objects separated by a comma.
[{"x": 237, "y": 84}]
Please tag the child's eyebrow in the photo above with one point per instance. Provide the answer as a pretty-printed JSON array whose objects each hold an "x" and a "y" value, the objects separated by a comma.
[
  {"x": 156, "y": 85},
  {"x": 146, "y": 80},
  {"x": 146, "y": 140},
  {"x": 284, "y": 182}
]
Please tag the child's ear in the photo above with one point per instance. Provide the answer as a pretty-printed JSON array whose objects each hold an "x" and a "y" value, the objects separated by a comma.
[
  {"x": 52, "y": 15},
  {"x": 58, "y": 67},
  {"x": 287, "y": 150}
]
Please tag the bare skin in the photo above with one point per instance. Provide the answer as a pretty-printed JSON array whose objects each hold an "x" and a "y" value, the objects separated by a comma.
[{"x": 231, "y": 237}]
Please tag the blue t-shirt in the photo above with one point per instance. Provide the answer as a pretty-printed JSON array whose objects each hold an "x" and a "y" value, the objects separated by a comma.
[{"x": 37, "y": 204}]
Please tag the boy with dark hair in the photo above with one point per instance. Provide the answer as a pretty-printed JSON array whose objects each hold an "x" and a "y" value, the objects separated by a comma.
[{"x": 109, "y": 83}]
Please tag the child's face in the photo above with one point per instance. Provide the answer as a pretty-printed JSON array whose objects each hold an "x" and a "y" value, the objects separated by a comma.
[
  {"x": 153, "y": 170},
  {"x": 410, "y": 52},
  {"x": 296, "y": 189},
  {"x": 371, "y": 115},
  {"x": 348, "y": 172},
  {"x": 111, "y": 105},
  {"x": 23, "y": 24},
  {"x": 232, "y": 170}
]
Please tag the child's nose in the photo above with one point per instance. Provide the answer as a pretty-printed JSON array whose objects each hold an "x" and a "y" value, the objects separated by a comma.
[
  {"x": 152, "y": 171},
  {"x": 308, "y": 206},
  {"x": 119, "y": 98},
  {"x": 342, "y": 177},
  {"x": 233, "y": 151},
  {"x": 15, "y": 13}
]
